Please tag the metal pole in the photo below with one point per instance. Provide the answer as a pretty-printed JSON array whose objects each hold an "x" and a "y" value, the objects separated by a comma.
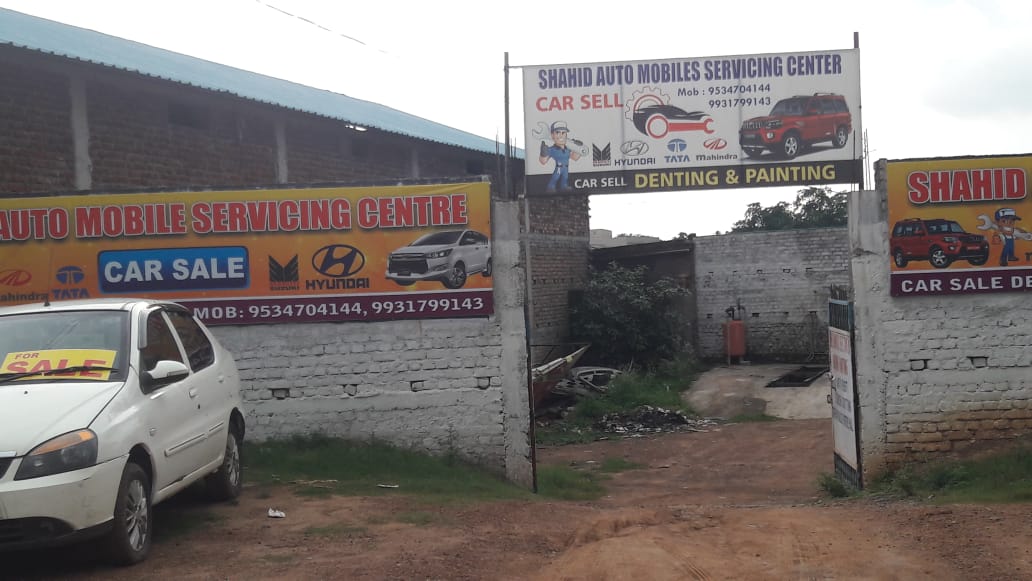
[{"x": 506, "y": 184}]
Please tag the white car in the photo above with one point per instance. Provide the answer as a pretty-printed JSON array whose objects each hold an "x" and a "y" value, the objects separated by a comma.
[
  {"x": 448, "y": 256},
  {"x": 108, "y": 407}
]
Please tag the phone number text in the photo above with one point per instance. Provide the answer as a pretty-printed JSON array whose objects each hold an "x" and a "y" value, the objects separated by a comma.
[
  {"x": 738, "y": 102},
  {"x": 358, "y": 308}
]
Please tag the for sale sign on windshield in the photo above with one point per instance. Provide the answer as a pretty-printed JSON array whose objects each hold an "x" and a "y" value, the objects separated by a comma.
[
  {"x": 960, "y": 225},
  {"x": 693, "y": 124},
  {"x": 259, "y": 256}
]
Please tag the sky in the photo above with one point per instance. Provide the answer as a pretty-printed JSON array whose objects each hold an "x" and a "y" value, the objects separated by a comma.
[{"x": 938, "y": 77}]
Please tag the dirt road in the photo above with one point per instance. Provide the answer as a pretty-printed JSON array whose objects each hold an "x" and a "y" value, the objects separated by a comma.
[{"x": 737, "y": 502}]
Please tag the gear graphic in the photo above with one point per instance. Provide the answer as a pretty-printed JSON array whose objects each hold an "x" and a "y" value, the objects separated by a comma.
[{"x": 643, "y": 98}]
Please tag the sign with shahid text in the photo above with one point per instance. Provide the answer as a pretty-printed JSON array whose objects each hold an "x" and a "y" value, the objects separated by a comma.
[
  {"x": 259, "y": 256},
  {"x": 960, "y": 225}
]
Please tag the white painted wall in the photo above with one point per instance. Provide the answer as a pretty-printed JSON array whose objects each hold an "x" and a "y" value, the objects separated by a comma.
[{"x": 448, "y": 385}]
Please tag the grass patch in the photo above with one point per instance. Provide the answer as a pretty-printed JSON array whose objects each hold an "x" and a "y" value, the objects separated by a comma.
[
  {"x": 336, "y": 530},
  {"x": 564, "y": 483},
  {"x": 318, "y": 465},
  {"x": 613, "y": 465},
  {"x": 744, "y": 418},
  {"x": 833, "y": 486},
  {"x": 1000, "y": 478},
  {"x": 661, "y": 386}
]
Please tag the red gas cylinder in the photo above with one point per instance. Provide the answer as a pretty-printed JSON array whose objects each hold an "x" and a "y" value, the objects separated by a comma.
[{"x": 734, "y": 338}]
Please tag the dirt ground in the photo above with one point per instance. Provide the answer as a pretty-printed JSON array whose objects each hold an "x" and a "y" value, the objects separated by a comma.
[{"x": 738, "y": 501}]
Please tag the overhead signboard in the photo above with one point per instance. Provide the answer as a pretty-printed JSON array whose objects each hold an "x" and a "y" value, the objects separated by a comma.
[
  {"x": 960, "y": 225},
  {"x": 693, "y": 124},
  {"x": 259, "y": 256}
]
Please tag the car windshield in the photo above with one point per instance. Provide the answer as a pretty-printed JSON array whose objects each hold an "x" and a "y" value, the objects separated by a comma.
[
  {"x": 435, "y": 238},
  {"x": 787, "y": 107},
  {"x": 945, "y": 228},
  {"x": 33, "y": 345}
]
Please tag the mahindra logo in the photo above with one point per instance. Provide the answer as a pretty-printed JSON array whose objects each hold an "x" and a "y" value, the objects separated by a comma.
[
  {"x": 12, "y": 277},
  {"x": 715, "y": 143},
  {"x": 338, "y": 260}
]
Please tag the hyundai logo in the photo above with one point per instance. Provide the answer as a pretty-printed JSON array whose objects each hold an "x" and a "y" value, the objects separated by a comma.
[
  {"x": 13, "y": 277},
  {"x": 634, "y": 148},
  {"x": 715, "y": 143},
  {"x": 338, "y": 260},
  {"x": 69, "y": 275},
  {"x": 676, "y": 145}
]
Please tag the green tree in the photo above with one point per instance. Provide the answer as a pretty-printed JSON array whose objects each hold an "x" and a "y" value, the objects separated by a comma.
[
  {"x": 628, "y": 319},
  {"x": 814, "y": 207}
]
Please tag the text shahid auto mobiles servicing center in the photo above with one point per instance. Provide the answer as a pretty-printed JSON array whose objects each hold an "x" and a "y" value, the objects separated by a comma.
[
  {"x": 692, "y": 124},
  {"x": 261, "y": 256}
]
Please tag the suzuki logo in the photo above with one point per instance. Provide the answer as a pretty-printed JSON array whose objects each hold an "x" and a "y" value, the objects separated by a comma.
[
  {"x": 715, "y": 143},
  {"x": 14, "y": 277},
  {"x": 283, "y": 273},
  {"x": 338, "y": 260}
]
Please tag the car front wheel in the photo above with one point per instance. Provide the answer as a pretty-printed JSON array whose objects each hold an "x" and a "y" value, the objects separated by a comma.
[
  {"x": 456, "y": 277},
  {"x": 129, "y": 540},
  {"x": 791, "y": 146},
  {"x": 939, "y": 258},
  {"x": 899, "y": 258},
  {"x": 226, "y": 482}
]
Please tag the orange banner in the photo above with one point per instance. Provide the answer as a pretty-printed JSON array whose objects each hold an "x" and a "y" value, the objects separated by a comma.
[
  {"x": 960, "y": 225},
  {"x": 350, "y": 247}
]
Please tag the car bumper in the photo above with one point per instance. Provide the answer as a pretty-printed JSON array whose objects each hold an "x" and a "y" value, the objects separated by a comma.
[
  {"x": 433, "y": 272},
  {"x": 54, "y": 509}
]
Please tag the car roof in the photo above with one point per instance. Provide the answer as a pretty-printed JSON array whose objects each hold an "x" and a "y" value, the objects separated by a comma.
[{"x": 99, "y": 304}]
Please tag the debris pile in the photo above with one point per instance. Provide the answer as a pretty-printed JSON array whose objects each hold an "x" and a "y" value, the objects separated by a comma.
[{"x": 652, "y": 420}]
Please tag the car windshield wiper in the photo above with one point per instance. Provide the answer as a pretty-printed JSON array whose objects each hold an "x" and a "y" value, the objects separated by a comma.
[{"x": 5, "y": 377}]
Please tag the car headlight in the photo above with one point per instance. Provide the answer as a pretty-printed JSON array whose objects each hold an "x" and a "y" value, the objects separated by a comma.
[
  {"x": 949, "y": 238},
  {"x": 67, "y": 452},
  {"x": 439, "y": 253}
]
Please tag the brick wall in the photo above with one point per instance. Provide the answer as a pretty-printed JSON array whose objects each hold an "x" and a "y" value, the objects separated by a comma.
[
  {"x": 780, "y": 279},
  {"x": 150, "y": 133},
  {"x": 559, "y": 253},
  {"x": 36, "y": 140},
  {"x": 935, "y": 375}
]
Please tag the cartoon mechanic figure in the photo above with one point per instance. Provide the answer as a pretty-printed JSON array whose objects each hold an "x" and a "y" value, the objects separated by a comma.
[
  {"x": 1003, "y": 222},
  {"x": 562, "y": 156}
]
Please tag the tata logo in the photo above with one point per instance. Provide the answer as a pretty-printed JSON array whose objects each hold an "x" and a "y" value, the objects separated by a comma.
[
  {"x": 13, "y": 277},
  {"x": 69, "y": 275},
  {"x": 676, "y": 145},
  {"x": 715, "y": 143},
  {"x": 338, "y": 260}
]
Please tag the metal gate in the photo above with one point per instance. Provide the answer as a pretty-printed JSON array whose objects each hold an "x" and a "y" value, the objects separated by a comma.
[{"x": 845, "y": 409}]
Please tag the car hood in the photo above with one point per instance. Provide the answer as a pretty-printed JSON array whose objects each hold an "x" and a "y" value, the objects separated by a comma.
[
  {"x": 422, "y": 249},
  {"x": 32, "y": 413}
]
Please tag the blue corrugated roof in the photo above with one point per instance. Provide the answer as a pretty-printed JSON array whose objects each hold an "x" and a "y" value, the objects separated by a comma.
[{"x": 51, "y": 37}]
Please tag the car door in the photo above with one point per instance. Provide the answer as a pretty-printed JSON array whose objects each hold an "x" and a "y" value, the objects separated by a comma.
[
  {"x": 172, "y": 413},
  {"x": 472, "y": 252},
  {"x": 209, "y": 381}
]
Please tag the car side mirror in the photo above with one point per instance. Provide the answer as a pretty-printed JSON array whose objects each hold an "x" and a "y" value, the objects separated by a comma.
[{"x": 164, "y": 373}]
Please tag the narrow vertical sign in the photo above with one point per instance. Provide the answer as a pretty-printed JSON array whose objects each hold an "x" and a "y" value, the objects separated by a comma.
[{"x": 842, "y": 405}]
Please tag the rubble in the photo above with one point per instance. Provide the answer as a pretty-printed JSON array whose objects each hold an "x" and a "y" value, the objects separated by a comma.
[{"x": 652, "y": 420}]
